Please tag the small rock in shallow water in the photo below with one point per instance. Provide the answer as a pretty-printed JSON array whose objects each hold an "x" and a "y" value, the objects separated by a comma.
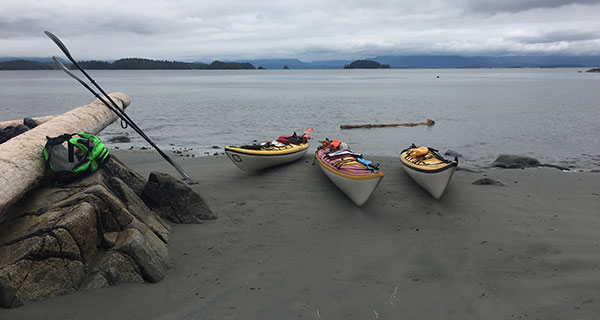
[
  {"x": 515, "y": 162},
  {"x": 487, "y": 182}
]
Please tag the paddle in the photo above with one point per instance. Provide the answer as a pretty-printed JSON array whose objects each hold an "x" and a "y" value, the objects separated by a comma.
[{"x": 114, "y": 107}]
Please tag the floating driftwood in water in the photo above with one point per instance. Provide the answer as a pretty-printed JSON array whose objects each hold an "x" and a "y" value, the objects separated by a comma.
[
  {"x": 21, "y": 162},
  {"x": 429, "y": 122}
]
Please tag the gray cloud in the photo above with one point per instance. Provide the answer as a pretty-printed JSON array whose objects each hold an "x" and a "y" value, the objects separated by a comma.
[
  {"x": 309, "y": 30},
  {"x": 495, "y": 6},
  {"x": 557, "y": 36}
]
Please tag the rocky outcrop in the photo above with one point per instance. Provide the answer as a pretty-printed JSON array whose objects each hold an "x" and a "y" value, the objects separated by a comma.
[
  {"x": 88, "y": 234},
  {"x": 11, "y": 131},
  {"x": 27, "y": 121}
]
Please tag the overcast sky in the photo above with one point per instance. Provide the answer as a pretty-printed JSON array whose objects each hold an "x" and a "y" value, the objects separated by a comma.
[{"x": 201, "y": 30}]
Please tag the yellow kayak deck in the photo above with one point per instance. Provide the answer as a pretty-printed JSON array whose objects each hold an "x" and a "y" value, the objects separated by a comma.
[{"x": 430, "y": 162}]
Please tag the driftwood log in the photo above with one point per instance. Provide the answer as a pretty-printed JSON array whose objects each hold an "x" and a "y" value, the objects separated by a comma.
[
  {"x": 429, "y": 122},
  {"x": 21, "y": 162}
]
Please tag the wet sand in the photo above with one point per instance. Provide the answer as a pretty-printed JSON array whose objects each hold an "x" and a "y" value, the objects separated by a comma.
[{"x": 289, "y": 245}]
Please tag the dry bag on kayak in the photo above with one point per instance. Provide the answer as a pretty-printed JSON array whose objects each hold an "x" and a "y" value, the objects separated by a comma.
[{"x": 84, "y": 153}]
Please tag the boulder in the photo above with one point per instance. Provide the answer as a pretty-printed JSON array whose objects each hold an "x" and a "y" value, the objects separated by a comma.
[
  {"x": 30, "y": 123},
  {"x": 174, "y": 200},
  {"x": 515, "y": 162}
]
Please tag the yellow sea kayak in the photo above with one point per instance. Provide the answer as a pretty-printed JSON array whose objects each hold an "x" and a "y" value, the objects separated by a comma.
[{"x": 428, "y": 168}]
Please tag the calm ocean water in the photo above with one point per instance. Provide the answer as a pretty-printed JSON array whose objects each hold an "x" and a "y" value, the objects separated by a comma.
[{"x": 549, "y": 114}]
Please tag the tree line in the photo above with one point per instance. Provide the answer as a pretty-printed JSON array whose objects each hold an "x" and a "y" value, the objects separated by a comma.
[{"x": 127, "y": 64}]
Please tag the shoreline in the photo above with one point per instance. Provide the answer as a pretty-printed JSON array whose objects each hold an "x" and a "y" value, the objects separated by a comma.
[
  {"x": 195, "y": 152},
  {"x": 289, "y": 244}
]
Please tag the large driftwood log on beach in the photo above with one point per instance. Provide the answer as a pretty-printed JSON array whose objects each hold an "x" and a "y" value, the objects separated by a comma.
[
  {"x": 429, "y": 122},
  {"x": 21, "y": 162}
]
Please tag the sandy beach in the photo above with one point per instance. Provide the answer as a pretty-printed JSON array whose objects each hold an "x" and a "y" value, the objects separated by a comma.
[{"x": 289, "y": 245}]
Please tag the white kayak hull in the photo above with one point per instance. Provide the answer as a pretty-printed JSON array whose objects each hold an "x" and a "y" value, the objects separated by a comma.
[
  {"x": 358, "y": 190},
  {"x": 253, "y": 162},
  {"x": 434, "y": 182}
]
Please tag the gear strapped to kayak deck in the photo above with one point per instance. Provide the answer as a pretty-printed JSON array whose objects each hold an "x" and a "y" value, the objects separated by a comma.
[{"x": 255, "y": 157}]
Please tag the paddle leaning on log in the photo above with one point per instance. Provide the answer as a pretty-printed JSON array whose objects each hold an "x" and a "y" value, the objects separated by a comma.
[{"x": 125, "y": 120}]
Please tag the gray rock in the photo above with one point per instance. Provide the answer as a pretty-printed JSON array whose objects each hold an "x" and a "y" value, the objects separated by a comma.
[
  {"x": 30, "y": 123},
  {"x": 9, "y": 132},
  {"x": 174, "y": 200},
  {"x": 488, "y": 182},
  {"x": 515, "y": 162}
]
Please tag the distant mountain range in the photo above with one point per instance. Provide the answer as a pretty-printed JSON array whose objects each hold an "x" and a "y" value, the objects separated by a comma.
[
  {"x": 412, "y": 61},
  {"x": 440, "y": 61}
]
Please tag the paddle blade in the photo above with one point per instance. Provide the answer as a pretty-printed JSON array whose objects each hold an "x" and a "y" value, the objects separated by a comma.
[
  {"x": 67, "y": 71},
  {"x": 308, "y": 130},
  {"x": 59, "y": 43}
]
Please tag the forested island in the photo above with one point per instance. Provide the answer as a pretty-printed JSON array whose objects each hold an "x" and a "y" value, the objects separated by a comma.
[
  {"x": 366, "y": 64},
  {"x": 127, "y": 64}
]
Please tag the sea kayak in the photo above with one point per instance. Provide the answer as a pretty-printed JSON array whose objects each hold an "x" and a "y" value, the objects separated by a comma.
[
  {"x": 428, "y": 168},
  {"x": 256, "y": 157},
  {"x": 349, "y": 171}
]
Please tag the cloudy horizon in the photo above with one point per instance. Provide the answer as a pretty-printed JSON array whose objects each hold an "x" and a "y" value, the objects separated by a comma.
[{"x": 311, "y": 30}]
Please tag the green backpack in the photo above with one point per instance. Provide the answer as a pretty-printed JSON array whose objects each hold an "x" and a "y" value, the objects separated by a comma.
[{"x": 85, "y": 153}]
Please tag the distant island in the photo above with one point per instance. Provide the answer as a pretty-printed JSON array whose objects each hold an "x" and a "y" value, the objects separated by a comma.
[
  {"x": 366, "y": 64},
  {"x": 597, "y": 70},
  {"x": 128, "y": 64}
]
